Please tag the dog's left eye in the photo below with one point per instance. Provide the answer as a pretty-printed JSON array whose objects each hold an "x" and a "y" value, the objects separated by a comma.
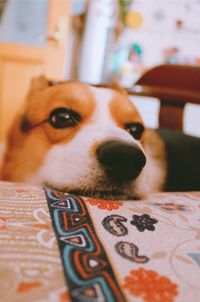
[
  {"x": 63, "y": 118},
  {"x": 135, "y": 129}
]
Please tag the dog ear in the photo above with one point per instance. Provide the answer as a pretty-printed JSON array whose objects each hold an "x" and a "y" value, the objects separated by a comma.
[
  {"x": 39, "y": 83},
  {"x": 118, "y": 87}
]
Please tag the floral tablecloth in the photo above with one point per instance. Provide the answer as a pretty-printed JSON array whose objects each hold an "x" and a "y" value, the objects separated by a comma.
[{"x": 60, "y": 247}]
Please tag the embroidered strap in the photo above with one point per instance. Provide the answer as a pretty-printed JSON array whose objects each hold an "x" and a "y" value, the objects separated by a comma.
[{"x": 87, "y": 269}]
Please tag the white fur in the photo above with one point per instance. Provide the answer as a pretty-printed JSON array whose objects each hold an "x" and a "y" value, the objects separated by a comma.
[
  {"x": 73, "y": 163},
  {"x": 152, "y": 176}
]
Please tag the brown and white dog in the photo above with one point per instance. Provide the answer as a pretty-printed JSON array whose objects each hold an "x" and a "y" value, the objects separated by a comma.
[{"x": 86, "y": 140}]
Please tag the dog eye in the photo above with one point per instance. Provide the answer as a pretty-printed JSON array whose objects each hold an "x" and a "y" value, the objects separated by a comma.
[
  {"x": 63, "y": 118},
  {"x": 135, "y": 129}
]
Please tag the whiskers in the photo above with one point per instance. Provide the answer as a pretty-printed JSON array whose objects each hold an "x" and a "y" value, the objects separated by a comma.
[{"x": 100, "y": 190}]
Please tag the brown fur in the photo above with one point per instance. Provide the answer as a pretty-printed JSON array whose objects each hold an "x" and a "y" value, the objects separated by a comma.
[
  {"x": 123, "y": 110},
  {"x": 22, "y": 157},
  {"x": 155, "y": 147}
]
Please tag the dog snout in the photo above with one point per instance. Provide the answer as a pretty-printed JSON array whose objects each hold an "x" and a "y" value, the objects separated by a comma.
[{"x": 121, "y": 161}]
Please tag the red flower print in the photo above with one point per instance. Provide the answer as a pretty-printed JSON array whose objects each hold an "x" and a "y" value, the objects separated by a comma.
[
  {"x": 64, "y": 297},
  {"x": 108, "y": 205},
  {"x": 150, "y": 286}
]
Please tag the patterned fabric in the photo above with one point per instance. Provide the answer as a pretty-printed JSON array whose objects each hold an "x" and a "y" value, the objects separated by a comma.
[
  {"x": 30, "y": 265},
  {"x": 88, "y": 271},
  {"x": 98, "y": 250}
]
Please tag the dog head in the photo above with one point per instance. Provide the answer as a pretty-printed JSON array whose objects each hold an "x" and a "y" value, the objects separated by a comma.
[{"x": 80, "y": 139}]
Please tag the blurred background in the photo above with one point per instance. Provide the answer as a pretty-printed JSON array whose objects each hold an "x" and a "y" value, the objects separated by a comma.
[{"x": 95, "y": 41}]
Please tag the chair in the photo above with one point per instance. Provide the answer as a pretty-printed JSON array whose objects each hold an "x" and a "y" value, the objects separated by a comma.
[{"x": 174, "y": 86}]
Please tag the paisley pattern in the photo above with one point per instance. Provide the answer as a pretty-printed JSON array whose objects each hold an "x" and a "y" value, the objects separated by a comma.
[
  {"x": 114, "y": 225},
  {"x": 130, "y": 251},
  {"x": 59, "y": 247}
]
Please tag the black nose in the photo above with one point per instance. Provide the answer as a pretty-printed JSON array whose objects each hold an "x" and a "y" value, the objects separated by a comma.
[{"x": 121, "y": 161}]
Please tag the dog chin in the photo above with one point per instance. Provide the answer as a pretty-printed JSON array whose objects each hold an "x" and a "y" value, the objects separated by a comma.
[
  {"x": 100, "y": 192},
  {"x": 106, "y": 195}
]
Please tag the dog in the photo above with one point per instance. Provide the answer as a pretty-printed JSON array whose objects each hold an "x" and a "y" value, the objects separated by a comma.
[{"x": 91, "y": 141}]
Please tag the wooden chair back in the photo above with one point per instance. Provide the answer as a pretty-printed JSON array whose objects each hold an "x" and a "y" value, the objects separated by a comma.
[{"x": 174, "y": 86}]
